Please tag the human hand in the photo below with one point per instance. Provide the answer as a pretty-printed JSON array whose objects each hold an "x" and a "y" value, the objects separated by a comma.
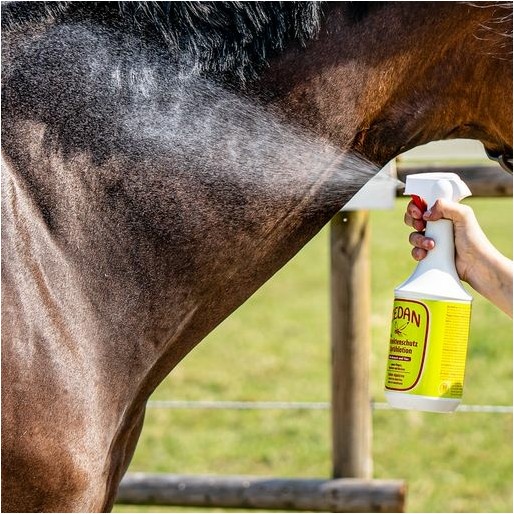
[
  {"x": 477, "y": 261},
  {"x": 471, "y": 244}
]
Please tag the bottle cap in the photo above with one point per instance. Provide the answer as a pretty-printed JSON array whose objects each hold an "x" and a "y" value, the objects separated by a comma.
[{"x": 429, "y": 187}]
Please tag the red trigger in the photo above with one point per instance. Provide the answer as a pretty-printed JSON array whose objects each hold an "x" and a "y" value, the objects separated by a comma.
[{"x": 419, "y": 203}]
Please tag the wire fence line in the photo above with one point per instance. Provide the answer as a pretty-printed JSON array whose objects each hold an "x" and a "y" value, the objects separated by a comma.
[{"x": 269, "y": 405}]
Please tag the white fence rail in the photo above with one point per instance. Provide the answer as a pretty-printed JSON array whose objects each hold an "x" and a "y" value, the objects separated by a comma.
[{"x": 265, "y": 405}]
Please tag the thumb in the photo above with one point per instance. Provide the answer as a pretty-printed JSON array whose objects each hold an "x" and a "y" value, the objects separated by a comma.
[{"x": 446, "y": 209}]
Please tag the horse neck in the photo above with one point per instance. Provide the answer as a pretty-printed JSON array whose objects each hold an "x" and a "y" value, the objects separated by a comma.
[
  {"x": 143, "y": 260},
  {"x": 155, "y": 203},
  {"x": 407, "y": 74}
]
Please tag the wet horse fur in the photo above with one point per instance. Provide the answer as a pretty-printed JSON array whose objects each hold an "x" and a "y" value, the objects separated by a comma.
[{"x": 163, "y": 160}]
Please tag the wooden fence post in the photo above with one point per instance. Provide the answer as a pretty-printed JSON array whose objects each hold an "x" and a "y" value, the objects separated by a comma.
[{"x": 350, "y": 307}]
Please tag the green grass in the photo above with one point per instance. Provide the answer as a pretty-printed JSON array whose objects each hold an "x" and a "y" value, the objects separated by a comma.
[{"x": 276, "y": 347}]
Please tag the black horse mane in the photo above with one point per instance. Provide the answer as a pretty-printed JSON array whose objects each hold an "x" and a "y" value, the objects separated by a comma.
[
  {"x": 219, "y": 37},
  {"x": 227, "y": 36},
  {"x": 235, "y": 38}
]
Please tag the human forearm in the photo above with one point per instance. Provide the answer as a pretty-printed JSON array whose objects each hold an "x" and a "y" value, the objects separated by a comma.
[{"x": 492, "y": 278}]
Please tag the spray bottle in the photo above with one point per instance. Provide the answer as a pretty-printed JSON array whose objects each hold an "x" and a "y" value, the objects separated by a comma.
[{"x": 431, "y": 313}]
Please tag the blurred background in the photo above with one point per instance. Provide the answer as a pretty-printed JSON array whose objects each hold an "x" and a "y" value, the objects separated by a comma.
[{"x": 276, "y": 348}]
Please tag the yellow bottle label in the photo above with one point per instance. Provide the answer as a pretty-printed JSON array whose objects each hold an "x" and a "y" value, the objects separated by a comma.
[{"x": 427, "y": 349}]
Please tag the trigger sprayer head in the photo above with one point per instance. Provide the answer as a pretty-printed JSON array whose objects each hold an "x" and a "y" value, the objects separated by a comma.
[{"x": 429, "y": 187}]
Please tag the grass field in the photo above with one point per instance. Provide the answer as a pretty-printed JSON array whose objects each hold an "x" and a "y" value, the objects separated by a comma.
[{"x": 276, "y": 347}]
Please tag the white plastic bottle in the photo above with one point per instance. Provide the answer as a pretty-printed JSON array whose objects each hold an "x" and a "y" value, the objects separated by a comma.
[{"x": 431, "y": 314}]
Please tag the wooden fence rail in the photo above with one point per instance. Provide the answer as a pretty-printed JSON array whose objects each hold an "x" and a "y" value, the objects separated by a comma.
[
  {"x": 482, "y": 180},
  {"x": 240, "y": 492}
]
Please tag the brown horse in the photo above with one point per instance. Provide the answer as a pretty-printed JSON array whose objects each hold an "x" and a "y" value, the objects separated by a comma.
[{"x": 163, "y": 160}]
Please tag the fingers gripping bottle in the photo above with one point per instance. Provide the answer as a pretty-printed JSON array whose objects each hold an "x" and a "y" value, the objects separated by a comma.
[{"x": 431, "y": 313}]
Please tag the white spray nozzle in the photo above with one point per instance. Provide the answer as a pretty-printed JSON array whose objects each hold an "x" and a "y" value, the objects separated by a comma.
[{"x": 432, "y": 186}]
